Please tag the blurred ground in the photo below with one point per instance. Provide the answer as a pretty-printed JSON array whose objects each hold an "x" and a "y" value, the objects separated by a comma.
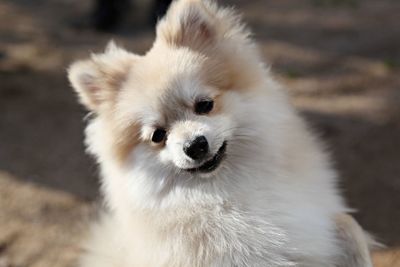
[{"x": 340, "y": 59}]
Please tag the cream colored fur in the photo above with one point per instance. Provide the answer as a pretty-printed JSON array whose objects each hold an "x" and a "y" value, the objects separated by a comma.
[{"x": 272, "y": 202}]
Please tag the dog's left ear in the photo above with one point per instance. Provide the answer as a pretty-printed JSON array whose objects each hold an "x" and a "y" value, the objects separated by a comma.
[
  {"x": 188, "y": 23},
  {"x": 98, "y": 79}
]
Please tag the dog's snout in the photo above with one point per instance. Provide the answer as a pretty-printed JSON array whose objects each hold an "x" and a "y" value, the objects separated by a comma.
[{"x": 197, "y": 148}]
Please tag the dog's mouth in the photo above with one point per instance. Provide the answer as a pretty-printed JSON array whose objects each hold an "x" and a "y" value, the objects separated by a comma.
[{"x": 213, "y": 163}]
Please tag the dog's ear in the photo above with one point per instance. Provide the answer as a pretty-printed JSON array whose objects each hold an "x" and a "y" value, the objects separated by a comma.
[
  {"x": 98, "y": 79},
  {"x": 188, "y": 23}
]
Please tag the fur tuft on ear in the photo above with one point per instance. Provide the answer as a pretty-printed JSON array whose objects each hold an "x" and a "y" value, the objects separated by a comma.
[
  {"x": 98, "y": 79},
  {"x": 188, "y": 23}
]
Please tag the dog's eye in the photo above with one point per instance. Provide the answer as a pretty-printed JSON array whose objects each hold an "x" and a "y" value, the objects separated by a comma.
[
  {"x": 203, "y": 106},
  {"x": 158, "y": 135}
]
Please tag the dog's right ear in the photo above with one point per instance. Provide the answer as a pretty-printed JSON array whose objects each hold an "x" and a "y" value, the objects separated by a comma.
[
  {"x": 98, "y": 79},
  {"x": 188, "y": 23}
]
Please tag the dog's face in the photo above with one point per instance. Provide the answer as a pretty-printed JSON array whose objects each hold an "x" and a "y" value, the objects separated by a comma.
[
  {"x": 179, "y": 115},
  {"x": 181, "y": 105}
]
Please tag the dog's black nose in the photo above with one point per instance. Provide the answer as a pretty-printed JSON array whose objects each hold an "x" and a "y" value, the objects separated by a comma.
[{"x": 196, "y": 148}]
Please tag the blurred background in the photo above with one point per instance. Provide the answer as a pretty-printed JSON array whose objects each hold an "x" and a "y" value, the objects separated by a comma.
[{"x": 340, "y": 59}]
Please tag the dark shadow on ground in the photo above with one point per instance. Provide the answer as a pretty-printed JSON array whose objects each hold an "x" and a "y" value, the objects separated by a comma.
[
  {"x": 367, "y": 156},
  {"x": 41, "y": 132}
]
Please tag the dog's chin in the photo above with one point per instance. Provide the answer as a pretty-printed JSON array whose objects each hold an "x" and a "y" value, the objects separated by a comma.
[{"x": 212, "y": 164}]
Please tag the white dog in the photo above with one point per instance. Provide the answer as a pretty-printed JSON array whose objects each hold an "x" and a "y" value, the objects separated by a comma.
[{"x": 204, "y": 162}]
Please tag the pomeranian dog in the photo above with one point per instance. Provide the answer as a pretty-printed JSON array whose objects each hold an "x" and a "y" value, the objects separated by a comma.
[{"x": 204, "y": 162}]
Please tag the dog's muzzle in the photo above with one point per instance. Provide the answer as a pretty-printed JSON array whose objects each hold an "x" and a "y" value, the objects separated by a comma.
[{"x": 213, "y": 163}]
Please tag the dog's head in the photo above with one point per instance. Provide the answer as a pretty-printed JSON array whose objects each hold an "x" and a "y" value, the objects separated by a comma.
[{"x": 184, "y": 103}]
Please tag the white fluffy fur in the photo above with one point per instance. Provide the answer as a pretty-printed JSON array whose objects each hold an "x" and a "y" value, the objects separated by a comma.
[{"x": 272, "y": 202}]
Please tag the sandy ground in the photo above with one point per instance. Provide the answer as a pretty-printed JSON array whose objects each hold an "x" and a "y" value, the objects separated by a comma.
[{"x": 340, "y": 59}]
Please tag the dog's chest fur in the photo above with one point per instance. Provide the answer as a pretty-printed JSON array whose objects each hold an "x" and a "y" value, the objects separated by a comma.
[
  {"x": 209, "y": 235},
  {"x": 250, "y": 229}
]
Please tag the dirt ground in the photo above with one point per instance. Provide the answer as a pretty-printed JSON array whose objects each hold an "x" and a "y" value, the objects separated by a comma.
[{"x": 340, "y": 60}]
